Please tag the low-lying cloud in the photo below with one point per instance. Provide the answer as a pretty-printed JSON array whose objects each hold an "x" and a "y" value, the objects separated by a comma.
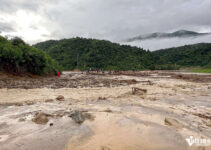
[
  {"x": 113, "y": 20},
  {"x": 156, "y": 44}
]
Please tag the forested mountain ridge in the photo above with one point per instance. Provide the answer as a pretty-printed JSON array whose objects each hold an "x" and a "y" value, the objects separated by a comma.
[
  {"x": 186, "y": 56},
  {"x": 84, "y": 53}
]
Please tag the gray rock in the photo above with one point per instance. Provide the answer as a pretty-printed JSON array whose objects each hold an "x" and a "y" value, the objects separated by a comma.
[{"x": 79, "y": 117}]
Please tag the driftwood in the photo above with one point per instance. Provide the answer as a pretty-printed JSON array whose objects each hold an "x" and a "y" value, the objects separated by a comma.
[{"x": 148, "y": 81}]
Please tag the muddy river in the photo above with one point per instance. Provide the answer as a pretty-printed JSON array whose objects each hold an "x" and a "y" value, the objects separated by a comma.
[{"x": 128, "y": 111}]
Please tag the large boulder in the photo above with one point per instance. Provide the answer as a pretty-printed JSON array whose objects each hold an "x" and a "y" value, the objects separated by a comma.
[{"x": 79, "y": 116}]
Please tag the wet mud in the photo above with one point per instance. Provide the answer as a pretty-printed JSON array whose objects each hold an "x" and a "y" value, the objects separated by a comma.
[{"x": 152, "y": 112}]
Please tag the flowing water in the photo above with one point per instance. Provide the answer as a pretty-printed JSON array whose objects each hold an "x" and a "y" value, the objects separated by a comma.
[{"x": 161, "y": 119}]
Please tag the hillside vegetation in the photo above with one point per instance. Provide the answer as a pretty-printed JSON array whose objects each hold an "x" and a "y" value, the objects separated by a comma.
[
  {"x": 18, "y": 57},
  {"x": 91, "y": 53},
  {"x": 84, "y": 53},
  {"x": 197, "y": 55}
]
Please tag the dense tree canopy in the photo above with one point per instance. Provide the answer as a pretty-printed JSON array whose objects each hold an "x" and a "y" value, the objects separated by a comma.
[
  {"x": 85, "y": 53},
  {"x": 186, "y": 56},
  {"x": 16, "y": 56}
]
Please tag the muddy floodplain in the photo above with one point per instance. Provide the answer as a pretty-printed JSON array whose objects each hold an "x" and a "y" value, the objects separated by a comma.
[{"x": 122, "y": 111}]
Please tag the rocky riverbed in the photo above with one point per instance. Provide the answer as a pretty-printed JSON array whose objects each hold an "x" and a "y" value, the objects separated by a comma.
[{"x": 124, "y": 111}]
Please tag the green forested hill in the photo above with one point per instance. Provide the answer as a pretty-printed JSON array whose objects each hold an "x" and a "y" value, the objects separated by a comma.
[
  {"x": 186, "y": 56},
  {"x": 18, "y": 57},
  {"x": 96, "y": 54},
  {"x": 111, "y": 56}
]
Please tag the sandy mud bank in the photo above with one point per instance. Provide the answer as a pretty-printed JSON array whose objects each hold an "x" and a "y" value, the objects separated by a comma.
[{"x": 160, "y": 114}]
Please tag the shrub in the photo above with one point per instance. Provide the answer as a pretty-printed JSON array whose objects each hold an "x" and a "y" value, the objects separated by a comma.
[{"x": 16, "y": 56}]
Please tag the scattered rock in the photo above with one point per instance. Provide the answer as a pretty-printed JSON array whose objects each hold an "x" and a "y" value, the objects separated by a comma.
[
  {"x": 18, "y": 104},
  {"x": 79, "y": 117},
  {"x": 209, "y": 87},
  {"x": 22, "y": 119},
  {"x": 138, "y": 91},
  {"x": 29, "y": 103},
  {"x": 108, "y": 110},
  {"x": 49, "y": 100},
  {"x": 173, "y": 122},
  {"x": 60, "y": 98},
  {"x": 101, "y": 98},
  {"x": 40, "y": 118},
  {"x": 205, "y": 116},
  {"x": 51, "y": 124}
]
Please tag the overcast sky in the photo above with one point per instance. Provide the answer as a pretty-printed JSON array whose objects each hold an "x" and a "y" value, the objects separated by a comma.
[{"x": 115, "y": 20}]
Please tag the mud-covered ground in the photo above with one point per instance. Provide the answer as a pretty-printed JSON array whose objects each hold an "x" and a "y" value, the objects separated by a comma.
[
  {"x": 68, "y": 80},
  {"x": 126, "y": 111}
]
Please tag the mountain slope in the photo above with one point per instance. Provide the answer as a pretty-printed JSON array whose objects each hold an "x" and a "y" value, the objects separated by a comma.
[
  {"x": 92, "y": 53},
  {"x": 188, "y": 55},
  {"x": 177, "y": 34},
  {"x": 86, "y": 53}
]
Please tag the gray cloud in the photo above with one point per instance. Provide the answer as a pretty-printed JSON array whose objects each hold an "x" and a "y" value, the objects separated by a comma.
[
  {"x": 5, "y": 27},
  {"x": 112, "y": 19}
]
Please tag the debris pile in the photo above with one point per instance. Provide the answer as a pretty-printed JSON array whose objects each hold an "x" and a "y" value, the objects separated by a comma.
[{"x": 62, "y": 82}]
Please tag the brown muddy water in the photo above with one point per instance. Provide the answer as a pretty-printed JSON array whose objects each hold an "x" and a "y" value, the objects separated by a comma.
[{"x": 101, "y": 112}]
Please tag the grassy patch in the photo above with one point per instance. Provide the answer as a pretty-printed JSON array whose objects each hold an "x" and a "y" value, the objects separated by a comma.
[{"x": 202, "y": 70}]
